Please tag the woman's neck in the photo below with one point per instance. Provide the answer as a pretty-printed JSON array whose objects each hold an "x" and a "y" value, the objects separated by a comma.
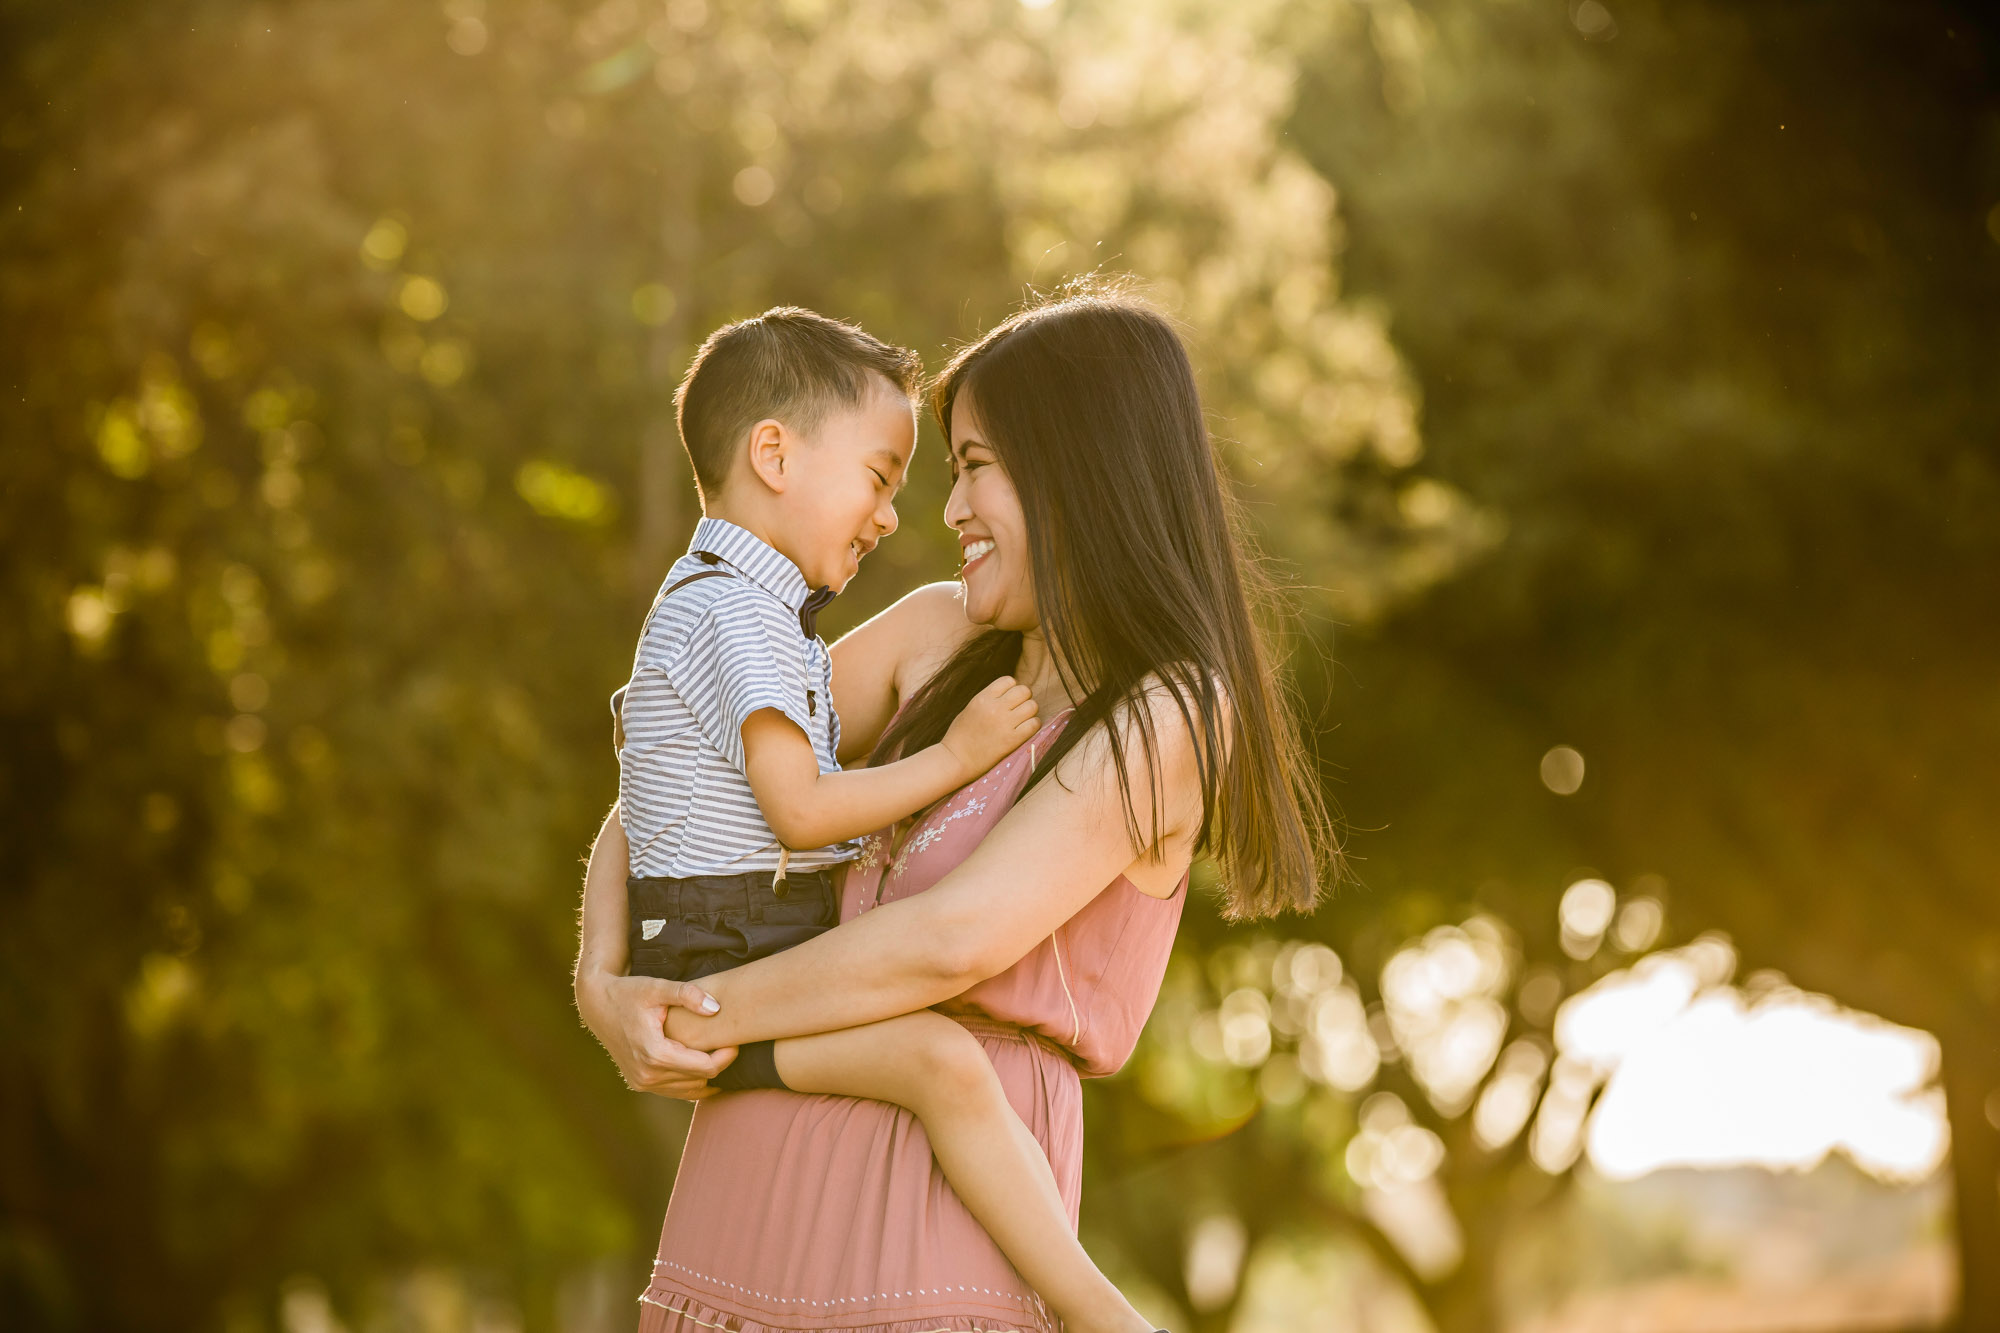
[{"x": 1037, "y": 670}]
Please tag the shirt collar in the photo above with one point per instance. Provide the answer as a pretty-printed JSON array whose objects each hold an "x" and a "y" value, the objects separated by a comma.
[{"x": 753, "y": 557}]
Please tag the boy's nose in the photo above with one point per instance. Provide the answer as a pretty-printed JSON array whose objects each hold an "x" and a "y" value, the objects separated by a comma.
[{"x": 885, "y": 518}]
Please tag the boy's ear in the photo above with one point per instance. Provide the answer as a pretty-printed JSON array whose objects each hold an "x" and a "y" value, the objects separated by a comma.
[{"x": 770, "y": 444}]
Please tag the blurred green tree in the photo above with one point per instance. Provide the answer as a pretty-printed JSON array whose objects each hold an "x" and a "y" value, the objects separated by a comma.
[{"x": 1702, "y": 300}]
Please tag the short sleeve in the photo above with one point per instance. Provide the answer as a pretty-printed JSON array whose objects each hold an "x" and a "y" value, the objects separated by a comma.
[{"x": 743, "y": 655}]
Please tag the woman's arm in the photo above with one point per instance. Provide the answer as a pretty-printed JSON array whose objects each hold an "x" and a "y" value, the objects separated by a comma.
[
  {"x": 1055, "y": 851},
  {"x": 882, "y": 662},
  {"x": 629, "y": 1014}
]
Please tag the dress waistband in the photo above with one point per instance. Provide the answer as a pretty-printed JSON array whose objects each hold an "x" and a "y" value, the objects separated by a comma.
[{"x": 983, "y": 1025}]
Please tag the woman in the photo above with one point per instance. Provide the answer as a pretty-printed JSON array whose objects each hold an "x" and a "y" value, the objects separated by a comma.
[{"x": 1037, "y": 905}]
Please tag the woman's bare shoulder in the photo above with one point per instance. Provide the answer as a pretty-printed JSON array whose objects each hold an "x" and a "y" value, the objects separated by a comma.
[
  {"x": 929, "y": 625},
  {"x": 1171, "y": 743}
]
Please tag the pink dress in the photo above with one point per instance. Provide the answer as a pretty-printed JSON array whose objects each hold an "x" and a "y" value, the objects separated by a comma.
[{"x": 806, "y": 1212}]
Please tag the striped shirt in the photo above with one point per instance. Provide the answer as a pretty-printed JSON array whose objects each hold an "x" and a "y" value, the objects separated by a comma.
[{"x": 710, "y": 655}]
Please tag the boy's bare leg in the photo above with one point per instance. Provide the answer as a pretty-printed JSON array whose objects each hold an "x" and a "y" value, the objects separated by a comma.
[{"x": 931, "y": 1066}]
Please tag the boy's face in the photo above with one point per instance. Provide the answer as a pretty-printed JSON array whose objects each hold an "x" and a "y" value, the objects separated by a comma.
[{"x": 842, "y": 499}]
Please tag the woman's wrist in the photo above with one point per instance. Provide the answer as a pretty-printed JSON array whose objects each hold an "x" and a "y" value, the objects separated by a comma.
[{"x": 593, "y": 986}]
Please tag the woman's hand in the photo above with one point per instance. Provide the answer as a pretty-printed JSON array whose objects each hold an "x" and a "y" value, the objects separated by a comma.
[{"x": 629, "y": 1016}]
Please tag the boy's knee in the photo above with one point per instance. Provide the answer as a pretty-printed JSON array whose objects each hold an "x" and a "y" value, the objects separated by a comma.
[{"x": 955, "y": 1067}]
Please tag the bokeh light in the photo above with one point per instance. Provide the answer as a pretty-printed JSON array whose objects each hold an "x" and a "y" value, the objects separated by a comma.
[{"x": 1562, "y": 770}]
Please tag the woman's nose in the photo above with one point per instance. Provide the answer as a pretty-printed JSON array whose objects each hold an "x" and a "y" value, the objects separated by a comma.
[{"x": 956, "y": 510}]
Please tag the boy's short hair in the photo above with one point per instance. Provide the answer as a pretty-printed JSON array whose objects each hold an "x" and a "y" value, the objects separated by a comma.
[{"x": 788, "y": 363}]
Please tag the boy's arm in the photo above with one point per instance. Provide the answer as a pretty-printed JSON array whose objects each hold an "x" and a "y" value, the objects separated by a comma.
[
  {"x": 887, "y": 658},
  {"x": 808, "y": 808}
]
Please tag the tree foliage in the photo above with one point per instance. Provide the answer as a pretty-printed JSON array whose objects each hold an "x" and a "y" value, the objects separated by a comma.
[
  {"x": 1702, "y": 304},
  {"x": 1612, "y": 385}
]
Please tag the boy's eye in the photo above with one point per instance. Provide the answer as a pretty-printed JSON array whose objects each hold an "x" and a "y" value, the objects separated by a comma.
[{"x": 879, "y": 477}]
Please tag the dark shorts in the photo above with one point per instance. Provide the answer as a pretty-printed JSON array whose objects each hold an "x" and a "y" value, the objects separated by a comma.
[{"x": 710, "y": 923}]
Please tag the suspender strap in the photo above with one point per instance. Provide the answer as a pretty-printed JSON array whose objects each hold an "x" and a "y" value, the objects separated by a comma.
[
  {"x": 695, "y": 577},
  {"x": 618, "y": 695}
]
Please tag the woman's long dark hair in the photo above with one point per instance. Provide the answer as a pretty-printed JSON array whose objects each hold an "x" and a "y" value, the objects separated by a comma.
[{"x": 1089, "y": 401}]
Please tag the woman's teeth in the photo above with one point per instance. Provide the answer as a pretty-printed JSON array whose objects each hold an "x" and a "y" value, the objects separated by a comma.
[{"x": 977, "y": 549}]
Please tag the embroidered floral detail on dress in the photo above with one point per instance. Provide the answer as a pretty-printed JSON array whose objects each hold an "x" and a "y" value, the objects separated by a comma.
[
  {"x": 930, "y": 833},
  {"x": 872, "y": 849}
]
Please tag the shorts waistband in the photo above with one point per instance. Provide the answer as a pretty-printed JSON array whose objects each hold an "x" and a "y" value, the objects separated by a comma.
[
  {"x": 753, "y": 885},
  {"x": 748, "y": 878}
]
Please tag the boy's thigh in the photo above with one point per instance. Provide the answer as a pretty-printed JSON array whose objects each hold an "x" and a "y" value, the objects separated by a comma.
[{"x": 684, "y": 930}]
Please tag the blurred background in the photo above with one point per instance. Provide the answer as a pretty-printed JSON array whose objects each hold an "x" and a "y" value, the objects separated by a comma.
[{"x": 1610, "y": 382}]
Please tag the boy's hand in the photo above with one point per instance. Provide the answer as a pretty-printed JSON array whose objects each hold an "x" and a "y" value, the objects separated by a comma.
[{"x": 1000, "y": 719}]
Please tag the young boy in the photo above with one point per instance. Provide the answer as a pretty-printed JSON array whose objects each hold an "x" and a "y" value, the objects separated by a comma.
[{"x": 800, "y": 429}]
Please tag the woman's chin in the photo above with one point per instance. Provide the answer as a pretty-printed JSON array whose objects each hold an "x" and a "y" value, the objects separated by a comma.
[
  {"x": 978, "y": 607},
  {"x": 976, "y": 613},
  {"x": 982, "y": 610}
]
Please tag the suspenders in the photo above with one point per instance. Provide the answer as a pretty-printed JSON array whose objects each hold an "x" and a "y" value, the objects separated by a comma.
[
  {"x": 698, "y": 574},
  {"x": 618, "y": 695}
]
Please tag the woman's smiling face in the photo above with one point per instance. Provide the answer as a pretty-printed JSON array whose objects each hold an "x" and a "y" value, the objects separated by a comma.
[{"x": 985, "y": 509}]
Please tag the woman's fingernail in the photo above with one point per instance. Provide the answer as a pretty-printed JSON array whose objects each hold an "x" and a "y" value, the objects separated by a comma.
[{"x": 708, "y": 1004}]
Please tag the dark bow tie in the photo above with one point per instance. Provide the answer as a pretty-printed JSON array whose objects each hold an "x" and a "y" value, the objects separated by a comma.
[{"x": 809, "y": 613}]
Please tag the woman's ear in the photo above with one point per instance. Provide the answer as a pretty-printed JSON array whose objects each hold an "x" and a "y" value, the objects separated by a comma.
[{"x": 770, "y": 442}]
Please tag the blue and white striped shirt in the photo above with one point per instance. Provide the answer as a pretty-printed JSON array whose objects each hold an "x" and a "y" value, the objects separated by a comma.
[{"x": 709, "y": 656}]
